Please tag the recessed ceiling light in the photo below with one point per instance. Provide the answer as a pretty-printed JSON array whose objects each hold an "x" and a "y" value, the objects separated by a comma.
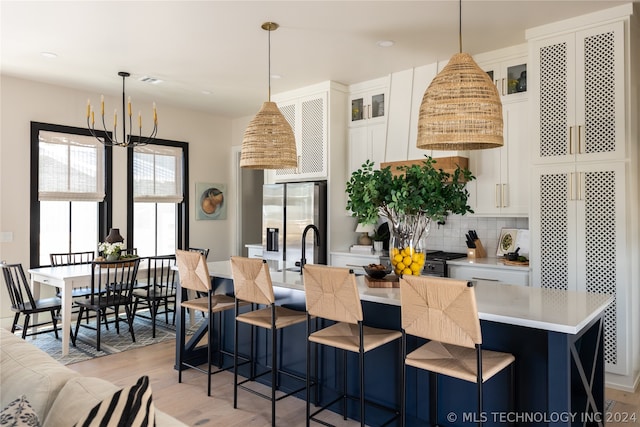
[
  {"x": 276, "y": 76},
  {"x": 385, "y": 43},
  {"x": 151, "y": 80},
  {"x": 49, "y": 55},
  {"x": 206, "y": 92}
]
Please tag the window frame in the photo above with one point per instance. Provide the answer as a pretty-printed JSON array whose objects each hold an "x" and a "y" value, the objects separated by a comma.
[
  {"x": 104, "y": 207},
  {"x": 182, "y": 208}
]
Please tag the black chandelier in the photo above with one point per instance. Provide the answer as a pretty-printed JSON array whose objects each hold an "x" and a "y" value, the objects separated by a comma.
[{"x": 126, "y": 141}]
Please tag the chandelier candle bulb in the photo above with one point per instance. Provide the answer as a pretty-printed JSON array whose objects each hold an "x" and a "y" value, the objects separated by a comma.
[{"x": 127, "y": 140}]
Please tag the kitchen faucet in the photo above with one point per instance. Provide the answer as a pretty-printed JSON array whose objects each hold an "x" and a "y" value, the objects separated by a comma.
[{"x": 316, "y": 233}]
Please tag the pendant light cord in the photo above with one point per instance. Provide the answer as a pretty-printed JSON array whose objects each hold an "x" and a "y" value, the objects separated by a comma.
[
  {"x": 460, "y": 25},
  {"x": 269, "y": 65}
]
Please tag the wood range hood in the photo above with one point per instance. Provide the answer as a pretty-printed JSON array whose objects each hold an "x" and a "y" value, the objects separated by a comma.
[{"x": 448, "y": 164}]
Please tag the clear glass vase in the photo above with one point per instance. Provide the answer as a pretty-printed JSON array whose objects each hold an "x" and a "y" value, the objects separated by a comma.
[{"x": 407, "y": 243}]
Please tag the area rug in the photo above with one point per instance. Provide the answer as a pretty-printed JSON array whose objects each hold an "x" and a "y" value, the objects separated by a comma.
[{"x": 110, "y": 341}]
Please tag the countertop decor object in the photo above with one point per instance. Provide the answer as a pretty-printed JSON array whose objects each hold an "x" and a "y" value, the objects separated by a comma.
[
  {"x": 365, "y": 229},
  {"x": 376, "y": 271},
  {"x": 268, "y": 141},
  {"x": 461, "y": 108}
]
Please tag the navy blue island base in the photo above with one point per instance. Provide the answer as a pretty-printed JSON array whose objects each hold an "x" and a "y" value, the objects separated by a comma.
[{"x": 559, "y": 371}]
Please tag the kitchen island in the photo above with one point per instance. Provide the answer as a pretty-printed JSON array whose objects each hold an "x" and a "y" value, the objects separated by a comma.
[{"x": 556, "y": 337}]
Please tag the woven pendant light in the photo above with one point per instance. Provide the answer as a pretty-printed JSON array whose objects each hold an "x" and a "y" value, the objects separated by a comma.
[
  {"x": 268, "y": 141},
  {"x": 461, "y": 108}
]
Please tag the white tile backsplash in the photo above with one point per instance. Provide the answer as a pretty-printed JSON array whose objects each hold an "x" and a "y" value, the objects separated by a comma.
[{"x": 450, "y": 236}]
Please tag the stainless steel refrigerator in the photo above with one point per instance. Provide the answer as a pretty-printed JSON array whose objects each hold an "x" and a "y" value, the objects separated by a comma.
[{"x": 286, "y": 210}]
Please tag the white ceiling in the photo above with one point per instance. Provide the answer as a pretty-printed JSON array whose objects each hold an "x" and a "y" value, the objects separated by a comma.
[{"x": 219, "y": 47}]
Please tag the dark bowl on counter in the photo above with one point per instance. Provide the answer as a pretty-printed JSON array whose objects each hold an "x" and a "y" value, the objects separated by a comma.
[{"x": 376, "y": 273}]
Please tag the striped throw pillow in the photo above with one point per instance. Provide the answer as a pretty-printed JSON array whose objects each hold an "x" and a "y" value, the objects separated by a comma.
[{"x": 130, "y": 407}]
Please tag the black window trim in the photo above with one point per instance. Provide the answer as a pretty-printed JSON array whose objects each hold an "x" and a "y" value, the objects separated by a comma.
[
  {"x": 105, "y": 213},
  {"x": 182, "y": 214}
]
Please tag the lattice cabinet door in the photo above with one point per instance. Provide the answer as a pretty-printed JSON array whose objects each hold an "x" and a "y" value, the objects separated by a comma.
[
  {"x": 603, "y": 249},
  {"x": 308, "y": 118},
  {"x": 580, "y": 212},
  {"x": 578, "y": 84}
]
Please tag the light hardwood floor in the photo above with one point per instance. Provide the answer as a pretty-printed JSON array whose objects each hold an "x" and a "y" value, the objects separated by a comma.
[{"x": 189, "y": 403}]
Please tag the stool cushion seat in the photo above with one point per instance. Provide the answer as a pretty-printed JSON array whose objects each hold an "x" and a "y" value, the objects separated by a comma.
[
  {"x": 456, "y": 361},
  {"x": 218, "y": 303},
  {"x": 346, "y": 336},
  {"x": 262, "y": 318}
]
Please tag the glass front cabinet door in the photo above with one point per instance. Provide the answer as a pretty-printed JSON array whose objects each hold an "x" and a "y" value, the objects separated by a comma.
[
  {"x": 509, "y": 77},
  {"x": 368, "y": 106}
]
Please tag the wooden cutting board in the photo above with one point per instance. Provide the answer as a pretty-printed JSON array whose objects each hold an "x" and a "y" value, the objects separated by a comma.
[{"x": 389, "y": 281}]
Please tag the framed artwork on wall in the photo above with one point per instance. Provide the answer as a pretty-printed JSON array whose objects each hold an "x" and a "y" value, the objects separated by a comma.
[{"x": 210, "y": 201}]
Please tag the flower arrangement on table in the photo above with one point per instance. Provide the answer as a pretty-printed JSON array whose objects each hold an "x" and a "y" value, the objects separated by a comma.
[{"x": 111, "y": 251}]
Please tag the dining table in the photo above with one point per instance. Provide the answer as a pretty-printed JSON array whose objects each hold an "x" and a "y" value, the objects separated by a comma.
[{"x": 66, "y": 278}]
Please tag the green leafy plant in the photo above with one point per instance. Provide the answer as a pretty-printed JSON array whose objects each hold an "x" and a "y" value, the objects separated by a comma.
[{"x": 420, "y": 190}]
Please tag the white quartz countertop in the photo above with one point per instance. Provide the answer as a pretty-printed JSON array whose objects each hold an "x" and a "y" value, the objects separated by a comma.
[
  {"x": 546, "y": 309},
  {"x": 486, "y": 263}
]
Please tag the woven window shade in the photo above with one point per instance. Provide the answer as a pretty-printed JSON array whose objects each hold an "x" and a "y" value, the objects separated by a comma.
[
  {"x": 268, "y": 141},
  {"x": 461, "y": 109}
]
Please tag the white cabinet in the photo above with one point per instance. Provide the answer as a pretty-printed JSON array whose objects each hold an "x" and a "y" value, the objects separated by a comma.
[
  {"x": 353, "y": 261},
  {"x": 308, "y": 112},
  {"x": 368, "y": 101},
  {"x": 509, "y": 76},
  {"x": 581, "y": 241},
  {"x": 366, "y": 143},
  {"x": 254, "y": 251},
  {"x": 504, "y": 275},
  {"x": 368, "y": 123},
  {"x": 307, "y": 117},
  {"x": 579, "y": 104},
  {"x": 502, "y": 174},
  {"x": 584, "y": 187}
]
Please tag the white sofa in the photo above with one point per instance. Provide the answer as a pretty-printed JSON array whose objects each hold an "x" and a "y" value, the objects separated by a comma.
[{"x": 58, "y": 395}]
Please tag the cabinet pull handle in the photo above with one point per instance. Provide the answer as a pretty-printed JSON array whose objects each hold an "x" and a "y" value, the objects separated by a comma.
[
  {"x": 579, "y": 139},
  {"x": 570, "y": 186},
  {"x": 579, "y": 186},
  {"x": 497, "y": 196},
  {"x": 570, "y": 139},
  {"x": 484, "y": 278},
  {"x": 504, "y": 204},
  {"x": 503, "y": 86}
]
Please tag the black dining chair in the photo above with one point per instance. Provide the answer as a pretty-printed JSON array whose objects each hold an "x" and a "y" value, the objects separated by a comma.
[
  {"x": 111, "y": 288},
  {"x": 23, "y": 302},
  {"x": 158, "y": 288}
]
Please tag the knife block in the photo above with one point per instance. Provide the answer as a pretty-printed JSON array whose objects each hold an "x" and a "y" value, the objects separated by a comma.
[{"x": 478, "y": 251}]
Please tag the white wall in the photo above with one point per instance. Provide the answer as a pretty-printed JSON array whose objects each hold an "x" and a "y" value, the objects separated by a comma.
[{"x": 23, "y": 101}]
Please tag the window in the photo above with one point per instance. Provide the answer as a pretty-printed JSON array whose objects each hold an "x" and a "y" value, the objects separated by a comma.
[
  {"x": 158, "y": 174},
  {"x": 68, "y": 197}
]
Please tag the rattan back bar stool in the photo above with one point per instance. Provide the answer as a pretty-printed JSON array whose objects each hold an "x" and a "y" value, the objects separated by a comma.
[
  {"x": 252, "y": 284},
  {"x": 194, "y": 275},
  {"x": 332, "y": 294},
  {"x": 444, "y": 311}
]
